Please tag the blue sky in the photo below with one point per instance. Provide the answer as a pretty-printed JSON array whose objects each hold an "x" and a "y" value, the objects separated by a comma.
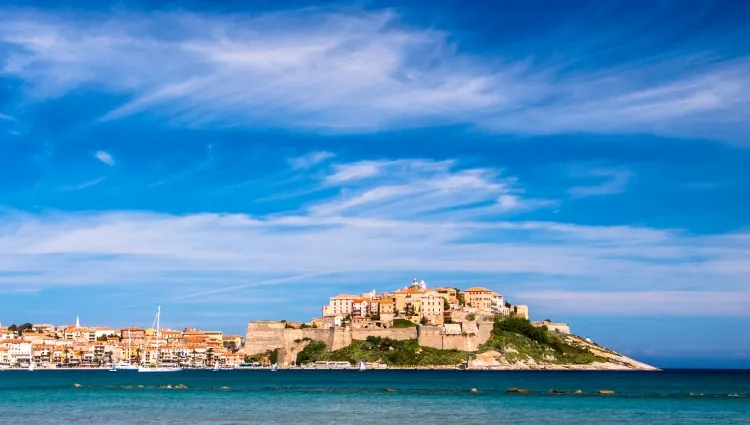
[{"x": 589, "y": 159}]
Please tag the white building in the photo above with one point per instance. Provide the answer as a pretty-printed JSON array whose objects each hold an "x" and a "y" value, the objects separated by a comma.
[
  {"x": 497, "y": 303},
  {"x": 20, "y": 351}
]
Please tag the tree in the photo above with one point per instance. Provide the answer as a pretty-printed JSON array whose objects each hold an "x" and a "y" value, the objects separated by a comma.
[
  {"x": 424, "y": 321},
  {"x": 460, "y": 298},
  {"x": 230, "y": 345},
  {"x": 471, "y": 317},
  {"x": 446, "y": 304},
  {"x": 13, "y": 328}
]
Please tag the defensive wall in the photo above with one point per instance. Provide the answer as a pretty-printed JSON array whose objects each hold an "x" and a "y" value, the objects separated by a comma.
[{"x": 263, "y": 336}]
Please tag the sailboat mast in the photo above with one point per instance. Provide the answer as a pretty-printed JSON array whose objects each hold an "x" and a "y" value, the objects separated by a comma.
[{"x": 158, "y": 314}]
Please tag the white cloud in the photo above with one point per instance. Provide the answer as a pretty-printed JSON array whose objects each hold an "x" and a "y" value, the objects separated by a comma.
[
  {"x": 309, "y": 160},
  {"x": 418, "y": 216},
  {"x": 418, "y": 187},
  {"x": 105, "y": 157},
  {"x": 355, "y": 71},
  {"x": 615, "y": 182}
]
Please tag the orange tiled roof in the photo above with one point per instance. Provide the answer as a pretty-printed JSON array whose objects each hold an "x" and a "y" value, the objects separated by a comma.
[{"x": 477, "y": 289}]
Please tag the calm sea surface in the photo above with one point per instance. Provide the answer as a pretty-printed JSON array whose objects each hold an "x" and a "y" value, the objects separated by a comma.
[{"x": 352, "y": 397}]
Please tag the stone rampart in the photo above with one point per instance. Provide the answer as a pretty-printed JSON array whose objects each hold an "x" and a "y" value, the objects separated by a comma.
[
  {"x": 399, "y": 334},
  {"x": 263, "y": 336}
]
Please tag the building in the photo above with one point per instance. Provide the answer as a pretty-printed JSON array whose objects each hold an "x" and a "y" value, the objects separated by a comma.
[
  {"x": 498, "y": 306},
  {"x": 479, "y": 298},
  {"x": 432, "y": 307},
  {"x": 216, "y": 337},
  {"x": 360, "y": 307},
  {"x": 133, "y": 334},
  {"x": 340, "y": 305},
  {"x": 6, "y": 334},
  {"x": 521, "y": 311},
  {"x": 43, "y": 328},
  {"x": 20, "y": 351},
  {"x": 237, "y": 340},
  {"x": 562, "y": 328}
]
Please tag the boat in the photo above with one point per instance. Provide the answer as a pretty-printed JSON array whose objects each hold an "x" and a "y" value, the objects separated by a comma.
[
  {"x": 113, "y": 368},
  {"x": 125, "y": 365},
  {"x": 274, "y": 368},
  {"x": 362, "y": 366},
  {"x": 157, "y": 366},
  {"x": 31, "y": 367},
  {"x": 216, "y": 367}
]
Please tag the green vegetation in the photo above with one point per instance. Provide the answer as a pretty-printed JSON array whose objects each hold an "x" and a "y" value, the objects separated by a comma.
[
  {"x": 271, "y": 356},
  {"x": 519, "y": 340},
  {"x": 314, "y": 351},
  {"x": 403, "y": 323},
  {"x": 515, "y": 338},
  {"x": 383, "y": 350},
  {"x": 20, "y": 328}
]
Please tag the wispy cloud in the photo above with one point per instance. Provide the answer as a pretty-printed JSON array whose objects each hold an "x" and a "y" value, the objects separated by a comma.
[
  {"x": 309, "y": 160},
  {"x": 418, "y": 187},
  {"x": 4, "y": 117},
  {"x": 355, "y": 71},
  {"x": 105, "y": 157},
  {"x": 86, "y": 184},
  {"x": 417, "y": 216},
  {"x": 615, "y": 181}
]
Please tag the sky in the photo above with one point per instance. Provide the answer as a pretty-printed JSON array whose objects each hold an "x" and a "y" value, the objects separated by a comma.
[{"x": 240, "y": 161}]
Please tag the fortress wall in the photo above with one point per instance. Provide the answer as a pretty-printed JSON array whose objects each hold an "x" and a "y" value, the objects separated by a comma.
[
  {"x": 432, "y": 336},
  {"x": 484, "y": 332},
  {"x": 397, "y": 334},
  {"x": 341, "y": 337},
  {"x": 263, "y": 336}
]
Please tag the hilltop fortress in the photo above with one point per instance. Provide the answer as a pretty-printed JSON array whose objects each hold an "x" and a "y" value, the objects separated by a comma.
[{"x": 443, "y": 318}]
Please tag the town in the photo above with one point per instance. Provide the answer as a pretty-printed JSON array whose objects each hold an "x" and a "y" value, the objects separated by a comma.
[{"x": 443, "y": 318}]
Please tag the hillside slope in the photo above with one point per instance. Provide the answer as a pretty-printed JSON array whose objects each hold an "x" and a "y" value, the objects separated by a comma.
[{"x": 514, "y": 344}]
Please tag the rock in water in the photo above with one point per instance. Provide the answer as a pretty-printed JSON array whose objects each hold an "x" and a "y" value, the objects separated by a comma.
[
  {"x": 77, "y": 386},
  {"x": 390, "y": 390},
  {"x": 606, "y": 392},
  {"x": 518, "y": 390}
]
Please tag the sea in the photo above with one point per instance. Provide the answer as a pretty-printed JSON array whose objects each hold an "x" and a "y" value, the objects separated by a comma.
[{"x": 374, "y": 397}]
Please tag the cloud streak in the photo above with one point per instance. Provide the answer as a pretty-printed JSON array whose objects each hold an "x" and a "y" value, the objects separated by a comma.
[
  {"x": 615, "y": 182},
  {"x": 310, "y": 160},
  {"x": 360, "y": 71}
]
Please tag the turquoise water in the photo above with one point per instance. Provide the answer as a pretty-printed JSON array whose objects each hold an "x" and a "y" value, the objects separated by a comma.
[{"x": 352, "y": 397}]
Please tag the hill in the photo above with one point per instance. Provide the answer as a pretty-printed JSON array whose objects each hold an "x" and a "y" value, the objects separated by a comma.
[{"x": 514, "y": 344}]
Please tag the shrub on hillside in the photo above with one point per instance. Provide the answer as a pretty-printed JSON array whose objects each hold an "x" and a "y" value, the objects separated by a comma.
[{"x": 403, "y": 323}]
